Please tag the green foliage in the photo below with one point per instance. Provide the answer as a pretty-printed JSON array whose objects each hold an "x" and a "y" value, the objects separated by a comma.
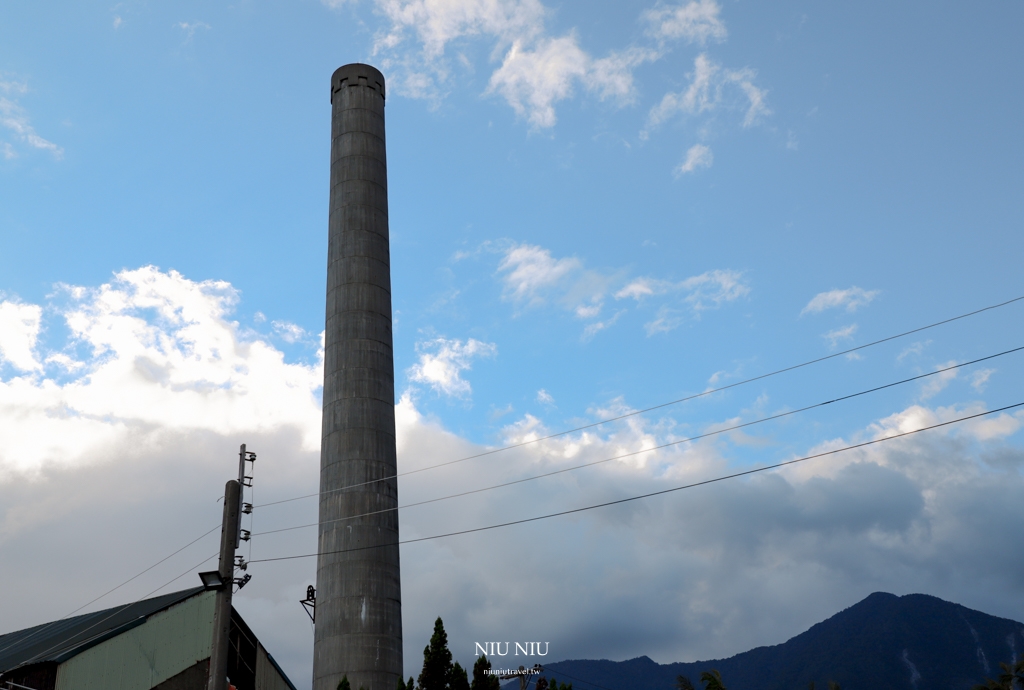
[
  {"x": 712, "y": 680},
  {"x": 437, "y": 661},
  {"x": 1012, "y": 678},
  {"x": 457, "y": 678},
  {"x": 481, "y": 679},
  {"x": 553, "y": 685},
  {"x": 344, "y": 684},
  {"x": 832, "y": 685},
  {"x": 683, "y": 683}
]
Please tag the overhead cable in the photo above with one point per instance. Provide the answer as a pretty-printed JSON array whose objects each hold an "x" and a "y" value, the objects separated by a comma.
[
  {"x": 653, "y": 493},
  {"x": 651, "y": 449},
  {"x": 109, "y": 591},
  {"x": 120, "y": 609},
  {"x": 657, "y": 407}
]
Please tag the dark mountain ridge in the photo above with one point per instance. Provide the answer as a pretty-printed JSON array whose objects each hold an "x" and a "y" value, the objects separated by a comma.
[{"x": 913, "y": 642}]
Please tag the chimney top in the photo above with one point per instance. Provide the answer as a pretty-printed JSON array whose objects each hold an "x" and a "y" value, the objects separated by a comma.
[{"x": 357, "y": 74}]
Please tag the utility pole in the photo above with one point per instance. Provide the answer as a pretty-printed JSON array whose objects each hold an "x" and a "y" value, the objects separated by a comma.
[
  {"x": 231, "y": 537},
  {"x": 222, "y": 608}
]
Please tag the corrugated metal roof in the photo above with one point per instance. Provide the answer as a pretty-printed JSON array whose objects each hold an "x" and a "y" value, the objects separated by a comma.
[{"x": 60, "y": 640}]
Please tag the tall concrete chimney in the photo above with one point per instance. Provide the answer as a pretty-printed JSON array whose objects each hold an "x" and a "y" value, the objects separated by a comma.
[{"x": 359, "y": 595}]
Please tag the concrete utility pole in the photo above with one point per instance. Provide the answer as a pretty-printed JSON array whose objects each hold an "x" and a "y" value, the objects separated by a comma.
[
  {"x": 358, "y": 629},
  {"x": 222, "y": 611}
]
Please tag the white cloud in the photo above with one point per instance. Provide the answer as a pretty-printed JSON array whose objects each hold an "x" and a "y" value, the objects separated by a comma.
[
  {"x": 667, "y": 319},
  {"x": 696, "y": 21},
  {"x": 980, "y": 378},
  {"x": 711, "y": 88},
  {"x": 934, "y": 385},
  {"x": 533, "y": 80},
  {"x": 289, "y": 332},
  {"x": 596, "y": 327},
  {"x": 154, "y": 351},
  {"x": 442, "y": 361},
  {"x": 545, "y": 398},
  {"x": 531, "y": 276},
  {"x": 19, "y": 330},
  {"x": 698, "y": 156},
  {"x": 708, "y": 290},
  {"x": 914, "y": 350},
  {"x": 15, "y": 119},
  {"x": 711, "y": 289},
  {"x": 118, "y": 22},
  {"x": 536, "y": 70},
  {"x": 850, "y": 299},
  {"x": 530, "y": 271},
  {"x": 838, "y": 335},
  {"x": 437, "y": 23}
]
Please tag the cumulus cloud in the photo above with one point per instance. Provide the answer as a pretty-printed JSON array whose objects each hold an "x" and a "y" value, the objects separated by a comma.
[
  {"x": 530, "y": 272},
  {"x": 850, "y": 299},
  {"x": 442, "y": 361},
  {"x": 712, "y": 88},
  {"x": 533, "y": 80},
  {"x": 696, "y": 22},
  {"x": 14, "y": 118},
  {"x": 288, "y": 332},
  {"x": 149, "y": 350},
  {"x": 19, "y": 330},
  {"x": 536, "y": 70},
  {"x": 787, "y": 548},
  {"x": 698, "y": 156},
  {"x": 698, "y": 574}
]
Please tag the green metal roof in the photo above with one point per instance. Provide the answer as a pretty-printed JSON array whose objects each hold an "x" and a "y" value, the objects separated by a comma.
[{"x": 61, "y": 640}]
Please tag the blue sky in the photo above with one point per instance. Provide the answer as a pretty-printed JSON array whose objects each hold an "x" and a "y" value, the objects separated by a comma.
[{"x": 595, "y": 207}]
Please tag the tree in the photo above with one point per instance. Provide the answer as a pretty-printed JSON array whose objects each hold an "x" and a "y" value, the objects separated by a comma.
[
  {"x": 344, "y": 684},
  {"x": 712, "y": 680},
  {"x": 683, "y": 683},
  {"x": 457, "y": 678},
  {"x": 541, "y": 684},
  {"x": 553, "y": 685},
  {"x": 402, "y": 685},
  {"x": 1011, "y": 678},
  {"x": 482, "y": 680},
  {"x": 437, "y": 661}
]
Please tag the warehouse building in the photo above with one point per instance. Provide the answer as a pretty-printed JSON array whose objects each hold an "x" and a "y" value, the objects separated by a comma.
[{"x": 161, "y": 643}]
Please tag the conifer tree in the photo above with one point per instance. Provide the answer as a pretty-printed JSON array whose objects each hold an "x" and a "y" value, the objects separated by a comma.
[
  {"x": 437, "y": 661},
  {"x": 482, "y": 680},
  {"x": 457, "y": 679}
]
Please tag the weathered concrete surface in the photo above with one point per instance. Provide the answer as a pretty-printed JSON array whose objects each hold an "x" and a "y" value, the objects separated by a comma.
[{"x": 358, "y": 593}]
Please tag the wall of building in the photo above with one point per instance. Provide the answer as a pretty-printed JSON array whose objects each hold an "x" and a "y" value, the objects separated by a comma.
[
  {"x": 165, "y": 645},
  {"x": 267, "y": 675}
]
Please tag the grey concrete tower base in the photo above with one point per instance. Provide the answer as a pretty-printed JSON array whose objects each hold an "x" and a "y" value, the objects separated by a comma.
[{"x": 358, "y": 592}]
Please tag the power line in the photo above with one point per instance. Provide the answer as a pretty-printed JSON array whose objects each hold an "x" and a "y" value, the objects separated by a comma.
[
  {"x": 654, "y": 448},
  {"x": 122, "y": 608},
  {"x": 109, "y": 591},
  {"x": 657, "y": 407},
  {"x": 653, "y": 493}
]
